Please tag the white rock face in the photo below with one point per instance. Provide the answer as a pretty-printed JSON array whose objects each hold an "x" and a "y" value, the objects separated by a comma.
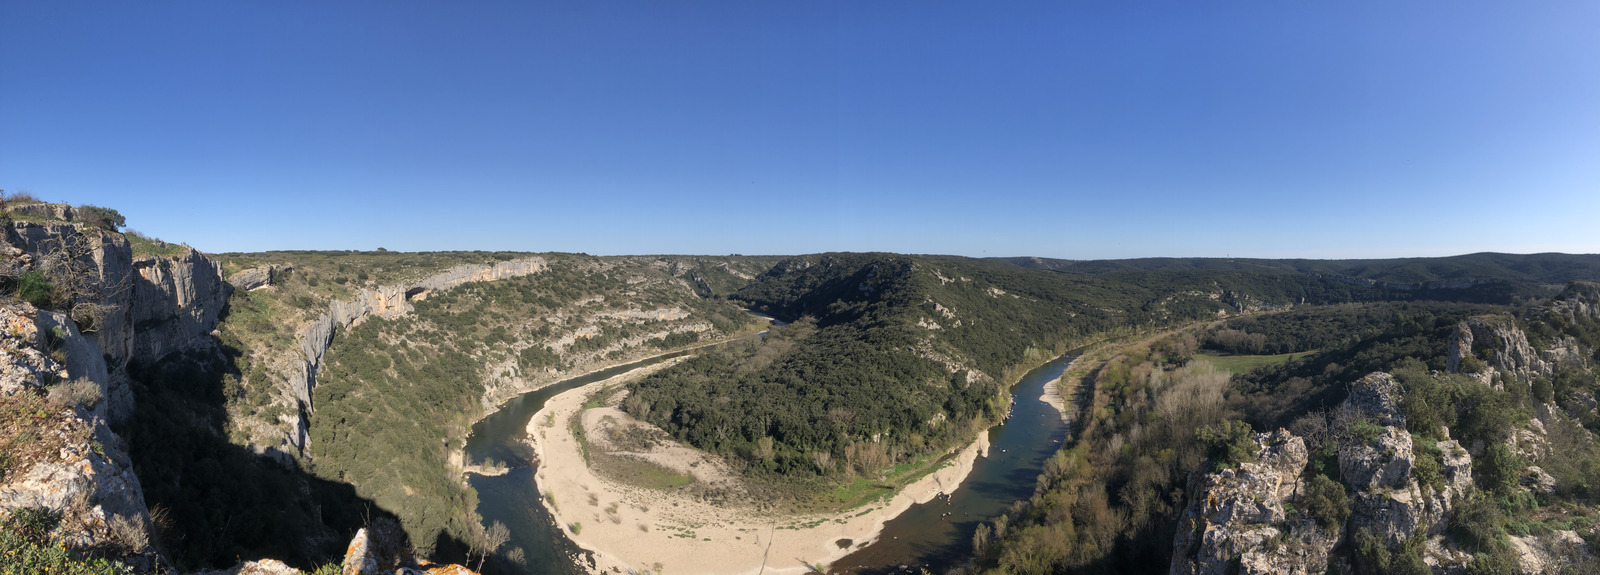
[
  {"x": 1234, "y": 513},
  {"x": 1506, "y": 345},
  {"x": 158, "y": 305},
  {"x": 1388, "y": 499},
  {"x": 89, "y": 482}
]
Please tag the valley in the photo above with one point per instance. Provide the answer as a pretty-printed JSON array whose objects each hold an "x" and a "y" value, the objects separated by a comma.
[{"x": 565, "y": 413}]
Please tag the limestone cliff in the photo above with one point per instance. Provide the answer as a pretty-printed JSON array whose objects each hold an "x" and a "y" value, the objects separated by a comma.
[
  {"x": 1238, "y": 519},
  {"x": 75, "y": 466},
  {"x": 147, "y": 308},
  {"x": 1378, "y": 459},
  {"x": 385, "y": 301},
  {"x": 1500, "y": 343}
]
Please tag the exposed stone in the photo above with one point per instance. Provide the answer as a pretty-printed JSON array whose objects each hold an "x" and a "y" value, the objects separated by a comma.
[
  {"x": 156, "y": 305},
  {"x": 257, "y": 277},
  {"x": 1537, "y": 481},
  {"x": 1388, "y": 500},
  {"x": 1531, "y": 442},
  {"x": 62, "y": 212},
  {"x": 262, "y": 567},
  {"x": 361, "y": 558},
  {"x": 89, "y": 481},
  {"x": 1375, "y": 398},
  {"x": 1443, "y": 558},
  {"x": 1234, "y": 513},
  {"x": 1550, "y": 552},
  {"x": 1503, "y": 344},
  {"x": 176, "y": 301}
]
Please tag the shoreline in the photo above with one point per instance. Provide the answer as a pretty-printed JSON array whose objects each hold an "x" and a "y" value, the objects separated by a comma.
[
  {"x": 1052, "y": 391},
  {"x": 642, "y": 529}
]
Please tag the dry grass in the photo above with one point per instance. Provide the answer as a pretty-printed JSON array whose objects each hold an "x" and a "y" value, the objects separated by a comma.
[
  {"x": 79, "y": 391},
  {"x": 28, "y": 431}
]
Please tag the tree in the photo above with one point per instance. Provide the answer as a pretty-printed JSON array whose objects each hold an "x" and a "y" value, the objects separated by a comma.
[
  {"x": 68, "y": 263},
  {"x": 484, "y": 540},
  {"x": 104, "y": 218}
]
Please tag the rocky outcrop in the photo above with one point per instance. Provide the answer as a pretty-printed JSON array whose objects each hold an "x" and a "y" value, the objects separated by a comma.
[
  {"x": 1555, "y": 552},
  {"x": 175, "y": 301},
  {"x": 257, "y": 277},
  {"x": 153, "y": 306},
  {"x": 1237, "y": 523},
  {"x": 366, "y": 555},
  {"x": 1500, "y": 342},
  {"x": 1378, "y": 460},
  {"x": 85, "y": 477}
]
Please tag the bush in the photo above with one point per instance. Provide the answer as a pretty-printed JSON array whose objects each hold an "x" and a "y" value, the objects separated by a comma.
[
  {"x": 1228, "y": 443},
  {"x": 26, "y": 556},
  {"x": 1543, "y": 390},
  {"x": 33, "y": 523},
  {"x": 1478, "y": 524},
  {"x": 21, "y": 197},
  {"x": 1428, "y": 466},
  {"x": 1499, "y": 469},
  {"x": 104, "y": 218},
  {"x": 1324, "y": 500},
  {"x": 79, "y": 391},
  {"x": 33, "y": 287}
]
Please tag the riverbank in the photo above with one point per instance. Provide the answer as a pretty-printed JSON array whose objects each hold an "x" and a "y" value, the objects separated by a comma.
[
  {"x": 670, "y": 531},
  {"x": 1053, "y": 395}
]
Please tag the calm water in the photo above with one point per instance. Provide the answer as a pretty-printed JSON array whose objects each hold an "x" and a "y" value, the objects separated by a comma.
[
  {"x": 935, "y": 534},
  {"x": 512, "y": 498},
  {"x": 938, "y": 534}
]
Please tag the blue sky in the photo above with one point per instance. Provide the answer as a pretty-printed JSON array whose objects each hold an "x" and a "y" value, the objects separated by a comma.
[{"x": 1073, "y": 129}]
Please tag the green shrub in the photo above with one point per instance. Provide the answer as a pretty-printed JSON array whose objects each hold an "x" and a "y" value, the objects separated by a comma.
[
  {"x": 29, "y": 556},
  {"x": 1428, "y": 465},
  {"x": 1478, "y": 524},
  {"x": 1543, "y": 390},
  {"x": 33, "y": 287},
  {"x": 1366, "y": 431},
  {"x": 33, "y": 523},
  {"x": 104, "y": 218},
  {"x": 1324, "y": 499},
  {"x": 1501, "y": 563},
  {"x": 1228, "y": 443},
  {"x": 1499, "y": 469}
]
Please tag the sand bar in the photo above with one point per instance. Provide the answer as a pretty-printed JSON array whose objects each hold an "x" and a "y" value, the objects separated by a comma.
[{"x": 640, "y": 529}]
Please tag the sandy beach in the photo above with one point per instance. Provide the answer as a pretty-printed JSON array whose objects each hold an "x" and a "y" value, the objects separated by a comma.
[
  {"x": 659, "y": 531},
  {"x": 1052, "y": 392}
]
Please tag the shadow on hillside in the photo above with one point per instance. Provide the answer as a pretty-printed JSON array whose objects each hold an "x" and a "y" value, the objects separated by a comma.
[{"x": 215, "y": 502}]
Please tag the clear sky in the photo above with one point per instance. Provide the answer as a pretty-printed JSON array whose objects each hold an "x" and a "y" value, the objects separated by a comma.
[{"x": 1066, "y": 128}]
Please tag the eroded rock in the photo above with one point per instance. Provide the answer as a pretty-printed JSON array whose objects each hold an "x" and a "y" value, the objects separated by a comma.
[{"x": 1239, "y": 515}]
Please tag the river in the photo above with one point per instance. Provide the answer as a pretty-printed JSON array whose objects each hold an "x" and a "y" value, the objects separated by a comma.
[{"x": 934, "y": 534}]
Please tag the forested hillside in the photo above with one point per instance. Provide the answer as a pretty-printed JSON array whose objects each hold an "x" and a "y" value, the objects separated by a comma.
[
  {"x": 393, "y": 406},
  {"x": 337, "y": 387},
  {"x": 897, "y": 357},
  {"x": 1483, "y": 277},
  {"x": 1470, "y": 391}
]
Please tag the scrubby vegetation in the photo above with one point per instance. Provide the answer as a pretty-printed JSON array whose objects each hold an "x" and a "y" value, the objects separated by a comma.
[
  {"x": 391, "y": 387},
  {"x": 1109, "y": 501},
  {"x": 26, "y": 549}
]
